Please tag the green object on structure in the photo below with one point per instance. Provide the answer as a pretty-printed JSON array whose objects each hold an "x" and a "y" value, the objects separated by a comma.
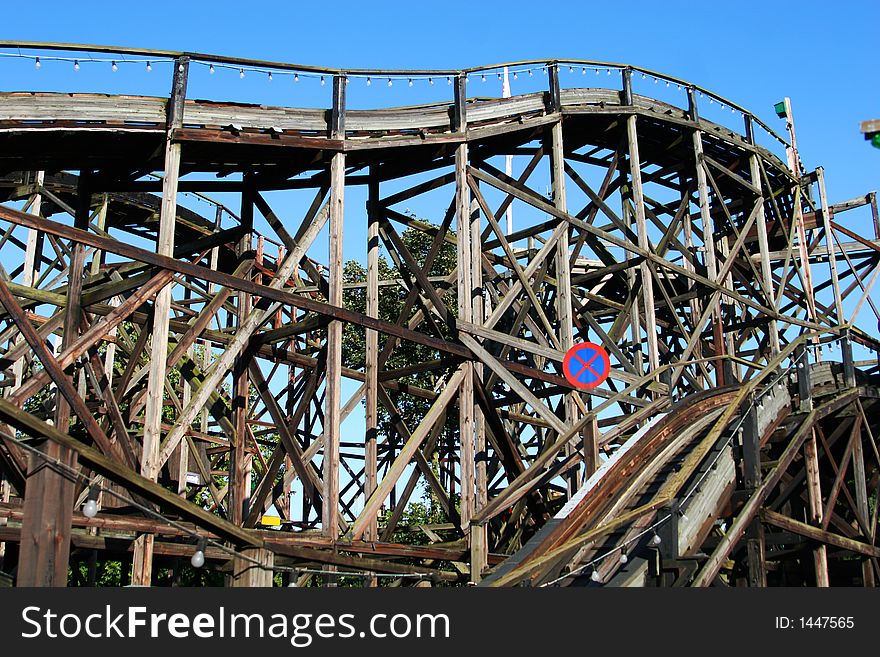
[
  {"x": 780, "y": 109},
  {"x": 875, "y": 140}
]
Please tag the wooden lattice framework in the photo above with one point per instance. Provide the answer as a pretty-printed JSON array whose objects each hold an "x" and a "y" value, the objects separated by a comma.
[{"x": 193, "y": 365}]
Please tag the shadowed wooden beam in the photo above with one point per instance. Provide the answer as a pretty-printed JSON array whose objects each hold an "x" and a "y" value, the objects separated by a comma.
[{"x": 126, "y": 477}]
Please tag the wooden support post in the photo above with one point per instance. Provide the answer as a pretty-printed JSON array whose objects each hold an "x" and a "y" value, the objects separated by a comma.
[
  {"x": 638, "y": 200},
  {"x": 708, "y": 238},
  {"x": 846, "y": 344},
  {"x": 562, "y": 263},
  {"x": 875, "y": 214},
  {"x": 372, "y": 353},
  {"x": 754, "y": 534},
  {"x": 49, "y": 496},
  {"x": 465, "y": 307},
  {"x": 794, "y": 163},
  {"x": 253, "y": 568},
  {"x": 333, "y": 394},
  {"x": 478, "y": 533},
  {"x": 591, "y": 446},
  {"x": 861, "y": 489},
  {"x": 240, "y": 458},
  {"x": 31, "y": 265},
  {"x": 479, "y": 552},
  {"x": 814, "y": 495},
  {"x": 763, "y": 248},
  {"x": 142, "y": 558}
]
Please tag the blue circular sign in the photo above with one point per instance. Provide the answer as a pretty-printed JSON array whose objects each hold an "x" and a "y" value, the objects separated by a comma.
[{"x": 586, "y": 365}]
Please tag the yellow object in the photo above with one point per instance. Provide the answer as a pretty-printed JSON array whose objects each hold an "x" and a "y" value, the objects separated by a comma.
[{"x": 270, "y": 521}]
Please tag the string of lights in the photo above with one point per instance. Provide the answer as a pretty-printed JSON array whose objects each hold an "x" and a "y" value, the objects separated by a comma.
[{"x": 410, "y": 79}]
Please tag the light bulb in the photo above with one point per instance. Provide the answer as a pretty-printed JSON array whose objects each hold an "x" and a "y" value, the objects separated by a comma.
[
  {"x": 608, "y": 71},
  {"x": 667, "y": 83},
  {"x": 410, "y": 82},
  {"x": 584, "y": 71},
  {"x": 390, "y": 83},
  {"x": 75, "y": 65},
  {"x": 597, "y": 71},
  {"x": 37, "y": 64},
  {"x": 571, "y": 69},
  {"x": 241, "y": 73},
  {"x": 90, "y": 508},
  {"x": 431, "y": 81},
  {"x": 656, "y": 80},
  {"x": 369, "y": 82},
  {"x": 644, "y": 76},
  {"x": 296, "y": 77},
  {"x": 595, "y": 576},
  {"x": 530, "y": 72},
  {"x": 483, "y": 77},
  {"x": 544, "y": 70},
  {"x": 322, "y": 81},
  {"x": 198, "y": 557},
  {"x": 623, "y": 557},
  {"x": 149, "y": 67},
  {"x": 515, "y": 76},
  {"x": 211, "y": 69},
  {"x": 114, "y": 67},
  {"x": 292, "y": 584},
  {"x": 448, "y": 80},
  {"x": 270, "y": 76}
]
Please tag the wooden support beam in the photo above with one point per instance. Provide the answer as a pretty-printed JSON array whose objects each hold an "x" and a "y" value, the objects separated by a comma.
[
  {"x": 332, "y": 398},
  {"x": 253, "y": 568},
  {"x": 142, "y": 561},
  {"x": 708, "y": 231},
  {"x": 405, "y": 455},
  {"x": 713, "y": 565},
  {"x": 763, "y": 248},
  {"x": 816, "y": 534},
  {"x": 255, "y": 319},
  {"x": 814, "y": 496},
  {"x": 240, "y": 458},
  {"x": 562, "y": 266},
  {"x": 371, "y": 435},
  {"x": 466, "y": 420},
  {"x": 125, "y": 477},
  {"x": 638, "y": 199}
]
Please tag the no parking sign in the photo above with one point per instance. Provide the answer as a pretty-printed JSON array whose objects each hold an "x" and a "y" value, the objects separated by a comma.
[{"x": 586, "y": 365}]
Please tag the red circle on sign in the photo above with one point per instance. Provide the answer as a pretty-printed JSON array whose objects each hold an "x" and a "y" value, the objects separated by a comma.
[{"x": 589, "y": 358}]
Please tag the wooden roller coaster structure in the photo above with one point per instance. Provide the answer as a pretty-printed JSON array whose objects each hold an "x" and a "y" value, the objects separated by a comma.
[{"x": 184, "y": 376}]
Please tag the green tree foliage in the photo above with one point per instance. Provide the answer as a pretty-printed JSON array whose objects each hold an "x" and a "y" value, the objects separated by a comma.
[
  {"x": 392, "y": 298},
  {"x": 392, "y": 301}
]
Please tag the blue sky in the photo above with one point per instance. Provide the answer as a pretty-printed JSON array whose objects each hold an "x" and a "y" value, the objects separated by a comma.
[{"x": 822, "y": 55}]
